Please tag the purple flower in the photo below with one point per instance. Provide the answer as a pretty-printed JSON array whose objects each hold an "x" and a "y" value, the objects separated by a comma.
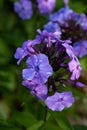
[
  {"x": 59, "y": 101},
  {"x": 26, "y": 50},
  {"x": 81, "y": 20},
  {"x": 80, "y": 48},
  {"x": 62, "y": 16},
  {"x": 49, "y": 37},
  {"x": 52, "y": 27},
  {"x": 37, "y": 65},
  {"x": 46, "y": 6},
  {"x": 31, "y": 83},
  {"x": 69, "y": 49},
  {"x": 40, "y": 91},
  {"x": 45, "y": 34},
  {"x": 75, "y": 68},
  {"x": 23, "y": 8},
  {"x": 36, "y": 87}
]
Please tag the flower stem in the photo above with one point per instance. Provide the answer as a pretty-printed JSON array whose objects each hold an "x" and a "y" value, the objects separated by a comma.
[{"x": 45, "y": 115}]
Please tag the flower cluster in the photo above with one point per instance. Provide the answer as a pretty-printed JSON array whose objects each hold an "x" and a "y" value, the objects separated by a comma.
[
  {"x": 73, "y": 26},
  {"x": 44, "y": 64},
  {"x": 25, "y": 10},
  {"x": 51, "y": 58}
]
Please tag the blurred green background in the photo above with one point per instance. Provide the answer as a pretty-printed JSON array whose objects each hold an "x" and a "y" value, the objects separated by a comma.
[{"x": 18, "y": 109}]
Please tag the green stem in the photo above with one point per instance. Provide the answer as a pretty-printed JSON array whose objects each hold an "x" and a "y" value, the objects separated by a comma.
[{"x": 45, "y": 115}]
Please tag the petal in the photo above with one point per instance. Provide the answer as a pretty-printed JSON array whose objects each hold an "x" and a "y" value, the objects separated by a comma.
[
  {"x": 46, "y": 68},
  {"x": 28, "y": 74},
  {"x": 19, "y": 53},
  {"x": 32, "y": 61},
  {"x": 42, "y": 59},
  {"x": 79, "y": 84},
  {"x": 59, "y": 106},
  {"x": 53, "y": 98},
  {"x": 43, "y": 76},
  {"x": 75, "y": 74},
  {"x": 72, "y": 65},
  {"x": 40, "y": 91},
  {"x": 67, "y": 103},
  {"x": 27, "y": 84},
  {"x": 45, "y": 72},
  {"x": 54, "y": 102}
]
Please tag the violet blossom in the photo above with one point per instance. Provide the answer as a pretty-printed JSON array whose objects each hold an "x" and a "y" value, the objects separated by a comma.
[
  {"x": 37, "y": 65},
  {"x": 75, "y": 68},
  {"x": 46, "y": 6},
  {"x": 40, "y": 91},
  {"x": 24, "y": 9},
  {"x": 80, "y": 48},
  {"x": 36, "y": 87},
  {"x": 27, "y": 49},
  {"x": 62, "y": 16},
  {"x": 59, "y": 101}
]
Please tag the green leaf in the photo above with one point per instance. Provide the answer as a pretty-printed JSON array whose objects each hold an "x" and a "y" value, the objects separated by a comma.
[
  {"x": 36, "y": 126},
  {"x": 62, "y": 120},
  {"x": 80, "y": 127},
  {"x": 4, "y": 111},
  {"x": 7, "y": 80},
  {"x": 6, "y": 126},
  {"x": 4, "y": 52},
  {"x": 51, "y": 124},
  {"x": 25, "y": 118},
  {"x": 83, "y": 62}
]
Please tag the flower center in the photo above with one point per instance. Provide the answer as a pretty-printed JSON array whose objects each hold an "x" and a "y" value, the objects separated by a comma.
[
  {"x": 60, "y": 99},
  {"x": 36, "y": 68},
  {"x": 77, "y": 67}
]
